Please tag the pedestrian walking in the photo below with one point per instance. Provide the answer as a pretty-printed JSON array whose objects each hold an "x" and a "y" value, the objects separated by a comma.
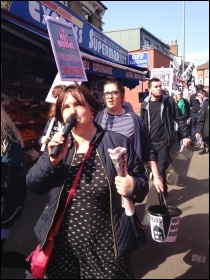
[
  {"x": 13, "y": 186},
  {"x": 184, "y": 108},
  {"x": 195, "y": 107},
  {"x": 202, "y": 126},
  {"x": 85, "y": 246},
  {"x": 116, "y": 118},
  {"x": 159, "y": 113}
]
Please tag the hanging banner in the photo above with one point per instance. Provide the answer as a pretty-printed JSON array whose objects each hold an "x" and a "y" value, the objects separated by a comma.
[
  {"x": 188, "y": 72},
  {"x": 185, "y": 82},
  {"x": 66, "y": 50}
]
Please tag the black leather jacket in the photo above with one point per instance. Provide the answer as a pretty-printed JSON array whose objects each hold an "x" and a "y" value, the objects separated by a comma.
[{"x": 42, "y": 178}]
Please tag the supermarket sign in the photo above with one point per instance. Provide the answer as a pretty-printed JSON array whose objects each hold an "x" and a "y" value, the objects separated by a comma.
[
  {"x": 89, "y": 38},
  {"x": 66, "y": 50}
]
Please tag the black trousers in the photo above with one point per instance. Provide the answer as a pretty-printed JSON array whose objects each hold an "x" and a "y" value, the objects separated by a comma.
[
  {"x": 163, "y": 158},
  {"x": 194, "y": 118}
]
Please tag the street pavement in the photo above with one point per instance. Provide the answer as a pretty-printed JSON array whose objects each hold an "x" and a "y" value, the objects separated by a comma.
[{"x": 186, "y": 258}]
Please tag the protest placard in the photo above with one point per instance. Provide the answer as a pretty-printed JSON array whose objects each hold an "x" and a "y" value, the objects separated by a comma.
[
  {"x": 66, "y": 50},
  {"x": 166, "y": 77}
]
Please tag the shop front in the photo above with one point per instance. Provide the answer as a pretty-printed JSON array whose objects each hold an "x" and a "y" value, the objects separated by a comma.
[
  {"x": 28, "y": 67},
  {"x": 25, "y": 20}
]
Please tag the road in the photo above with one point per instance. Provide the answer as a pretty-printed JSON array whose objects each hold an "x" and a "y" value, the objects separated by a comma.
[{"x": 186, "y": 258}]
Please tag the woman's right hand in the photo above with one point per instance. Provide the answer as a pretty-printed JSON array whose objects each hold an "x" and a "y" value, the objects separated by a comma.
[{"x": 58, "y": 139}]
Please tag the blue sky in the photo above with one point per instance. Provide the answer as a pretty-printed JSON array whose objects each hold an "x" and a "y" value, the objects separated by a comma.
[{"x": 164, "y": 19}]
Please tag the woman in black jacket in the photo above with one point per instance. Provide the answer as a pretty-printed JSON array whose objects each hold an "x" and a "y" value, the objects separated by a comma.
[
  {"x": 13, "y": 186},
  {"x": 86, "y": 244},
  {"x": 202, "y": 126}
]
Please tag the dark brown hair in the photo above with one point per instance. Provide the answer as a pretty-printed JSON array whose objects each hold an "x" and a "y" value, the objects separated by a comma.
[
  {"x": 152, "y": 80},
  {"x": 199, "y": 87},
  {"x": 55, "y": 93},
  {"x": 57, "y": 90},
  {"x": 117, "y": 83},
  {"x": 80, "y": 93}
]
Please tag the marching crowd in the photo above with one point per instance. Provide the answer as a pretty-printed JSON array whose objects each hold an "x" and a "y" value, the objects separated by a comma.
[{"x": 86, "y": 245}]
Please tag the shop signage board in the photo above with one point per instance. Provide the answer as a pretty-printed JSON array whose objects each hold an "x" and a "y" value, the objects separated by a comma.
[
  {"x": 66, "y": 50},
  {"x": 30, "y": 15},
  {"x": 140, "y": 59},
  {"x": 101, "y": 67},
  {"x": 89, "y": 38}
]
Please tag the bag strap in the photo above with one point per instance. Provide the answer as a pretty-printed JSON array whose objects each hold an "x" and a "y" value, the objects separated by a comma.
[{"x": 73, "y": 188}]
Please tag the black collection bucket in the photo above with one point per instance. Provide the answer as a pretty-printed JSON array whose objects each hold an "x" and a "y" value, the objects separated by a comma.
[{"x": 164, "y": 222}]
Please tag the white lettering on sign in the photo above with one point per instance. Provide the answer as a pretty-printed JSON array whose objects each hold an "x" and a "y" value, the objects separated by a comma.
[
  {"x": 129, "y": 74},
  {"x": 103, "y": 46},
  {"x": 86, "y": 64},
  {"x": 175, "y": 220},
  {"x": 137, "y": 56},
  {"x": 138, "y": 61},
  {"x": 137, "y": 76},
  {"x": 156, "y": 220},
  {"x": 65, "y": 62},
  {"x": 172, "y": 233},
  {"x": 174, "y": 227},
  {"x": 102, "y": 69},
  {"x": 63, "y": 41},
  {"x": 97, "y": 42},
  {"x": 188, "y": 72},
  {"x": 37, "y": 10}
]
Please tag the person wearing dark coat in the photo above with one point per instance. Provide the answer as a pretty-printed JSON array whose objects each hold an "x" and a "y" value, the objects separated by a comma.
[
  {"x": 86, "y": 245},
  {"x": 195, "y": 108},
  {"x": 202, "y": 126},
  {"x": 159, "y": 113},
  {"x": 116, "y": 117},
  {"x": 13, "y": 187}
]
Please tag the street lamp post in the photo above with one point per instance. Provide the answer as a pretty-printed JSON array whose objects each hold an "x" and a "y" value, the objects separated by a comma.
[{"x": 183, "y": 56}]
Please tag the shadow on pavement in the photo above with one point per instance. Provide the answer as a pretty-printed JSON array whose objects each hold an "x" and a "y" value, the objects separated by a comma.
[
  {"x": 188, "y": 257},
  {"x": 192, "y": 239}
]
